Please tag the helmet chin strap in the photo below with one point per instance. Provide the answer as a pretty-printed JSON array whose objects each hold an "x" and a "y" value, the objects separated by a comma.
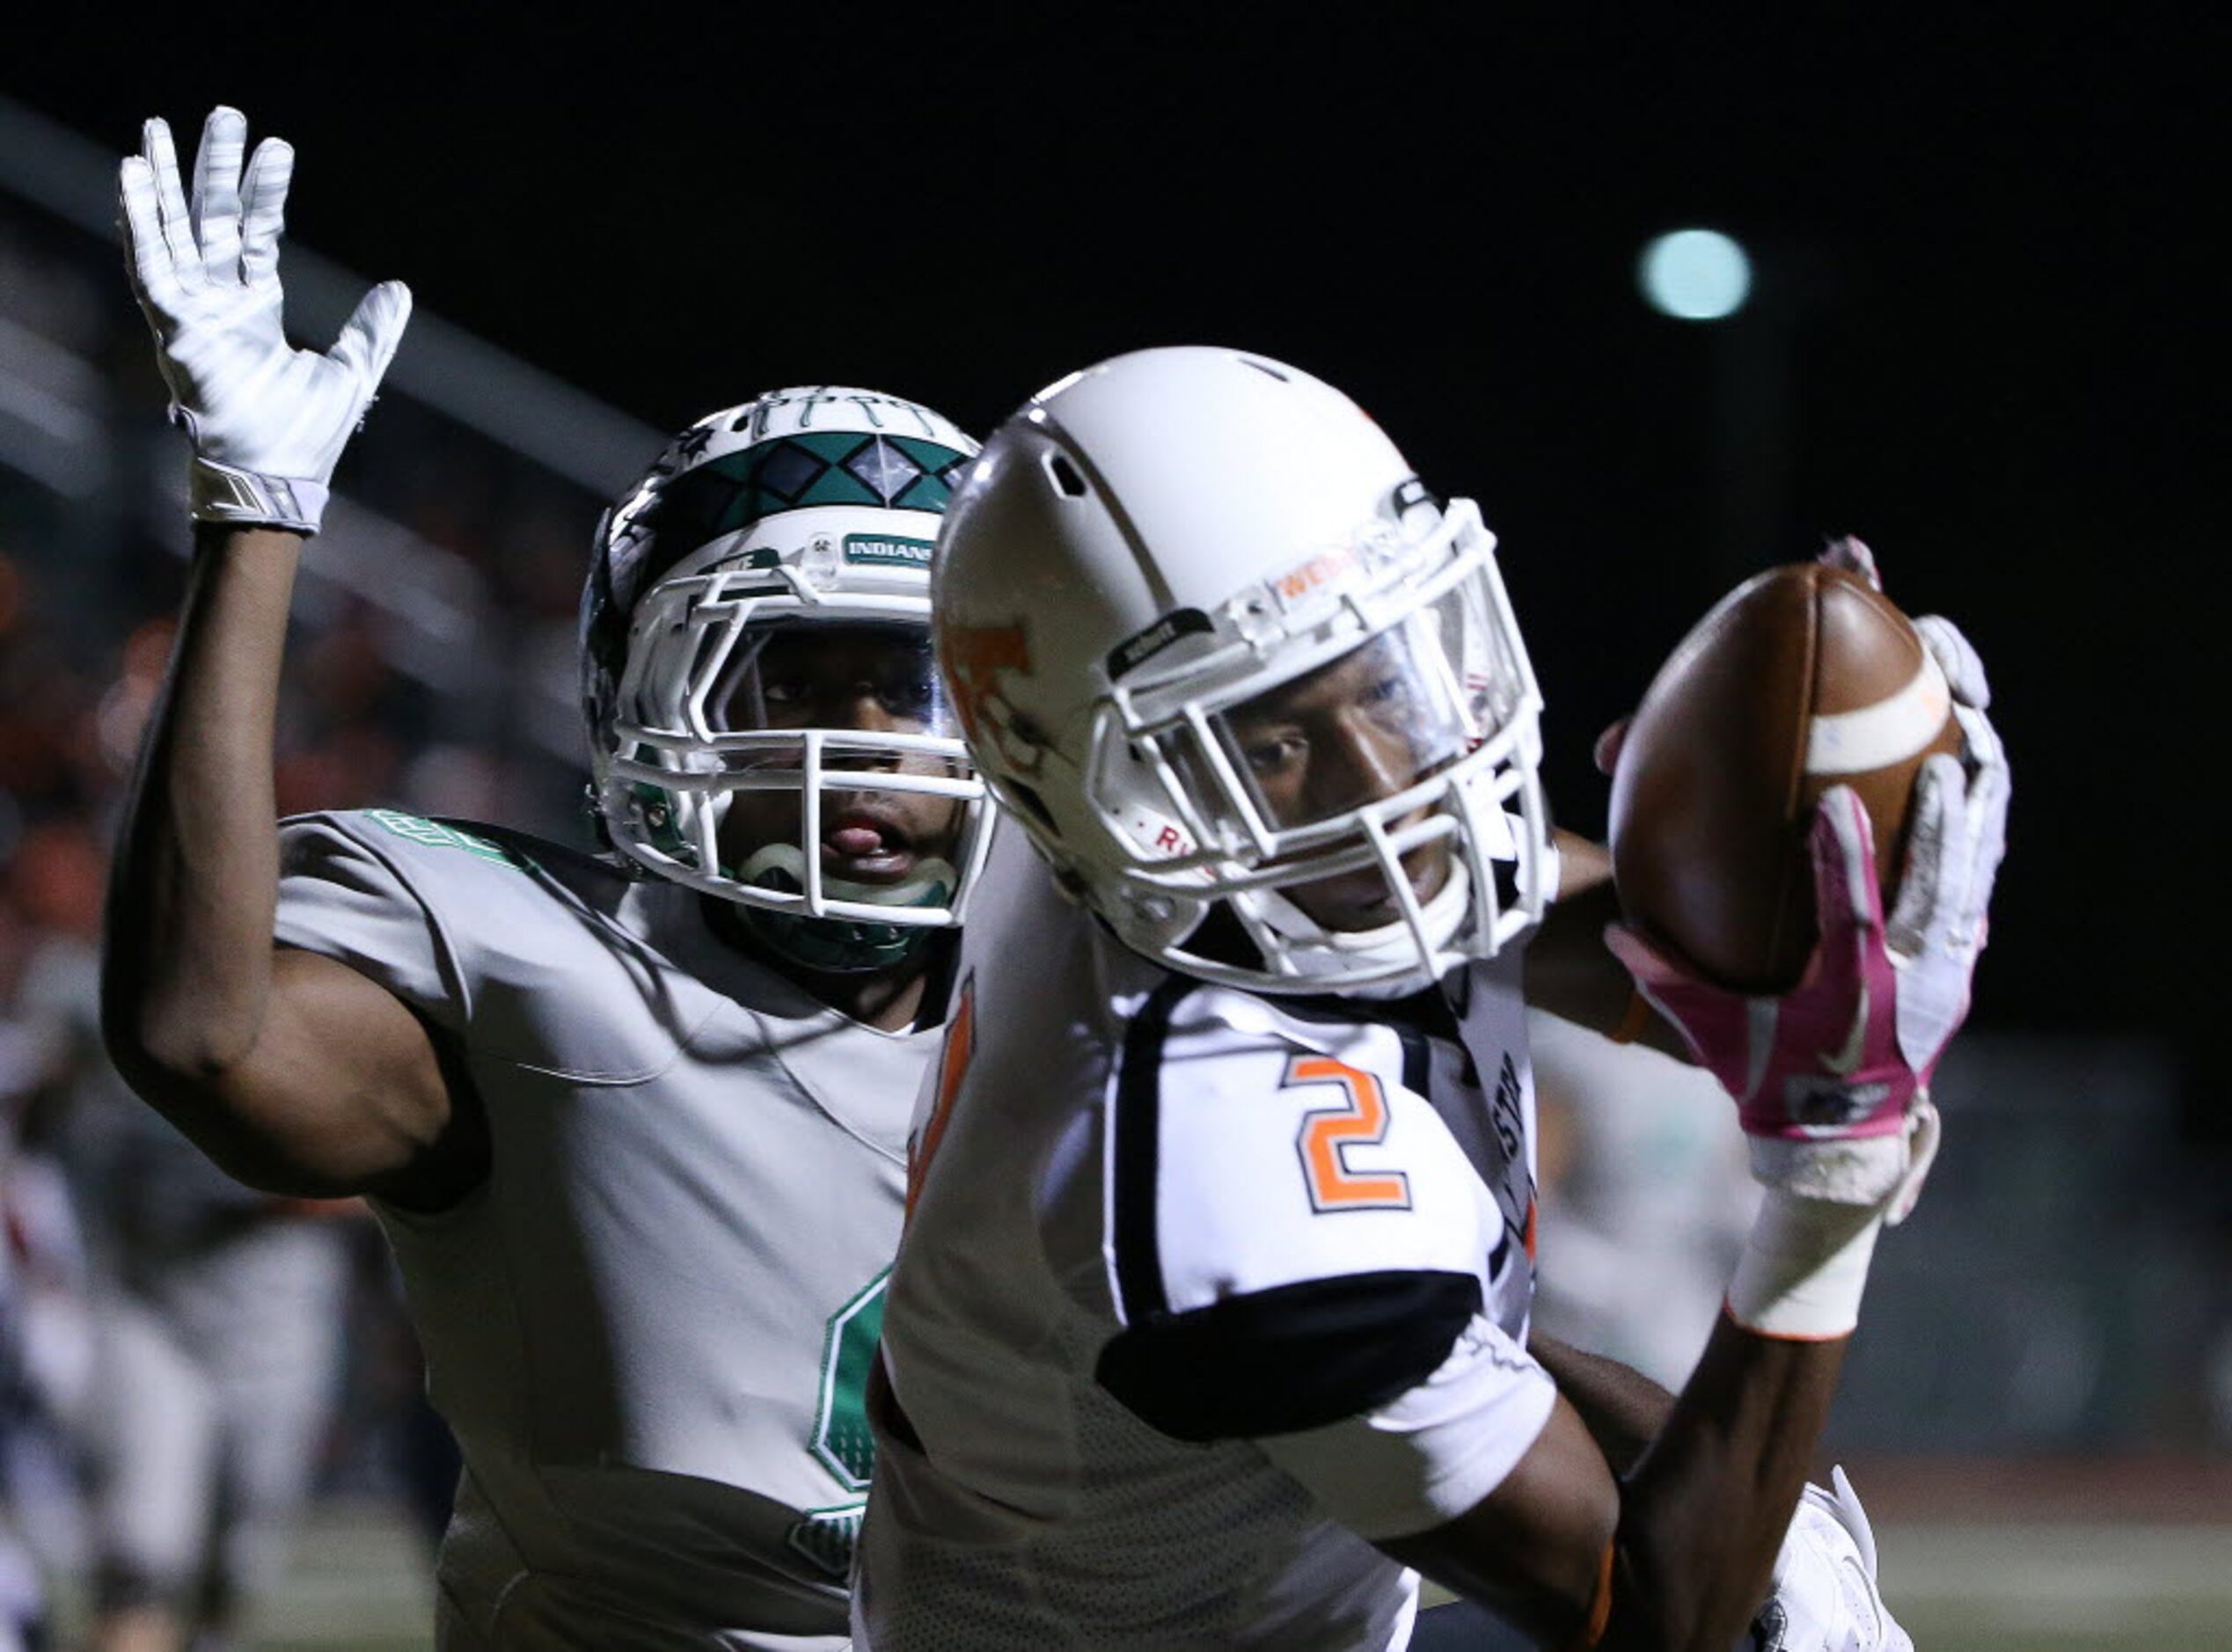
[
  {"x": 841, "y": 946},
  {"x": 1314, "y": 950}
]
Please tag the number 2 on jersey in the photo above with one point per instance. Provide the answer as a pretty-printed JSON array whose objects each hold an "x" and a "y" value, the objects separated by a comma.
[{"x": 1358, "y": 1120}]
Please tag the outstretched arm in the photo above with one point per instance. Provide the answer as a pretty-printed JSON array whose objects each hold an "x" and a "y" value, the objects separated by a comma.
[
  {"x": 293, "y": 1071},
  {"x": 1680, "y": 1552},
  {"x": 1831, "y": 1083}
]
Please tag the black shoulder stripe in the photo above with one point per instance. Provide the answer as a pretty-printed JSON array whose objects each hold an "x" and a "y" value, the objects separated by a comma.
[
  {"x": 1138, "y": 1102},
  {"x": 1294, "y": 1358},
  {"x": 1418, "y": 1060}
]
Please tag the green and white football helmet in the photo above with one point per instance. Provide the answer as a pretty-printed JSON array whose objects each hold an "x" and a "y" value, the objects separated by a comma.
[{"x": 772, "y": 544}]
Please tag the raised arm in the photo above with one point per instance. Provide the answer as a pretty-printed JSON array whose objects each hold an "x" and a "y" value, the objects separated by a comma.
[
  {"x": 1832, "y": 1087},
  {"x": 292, "y": 1072}
]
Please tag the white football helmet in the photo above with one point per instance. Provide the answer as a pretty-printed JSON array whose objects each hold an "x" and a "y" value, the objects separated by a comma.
[
  {"x": 1166, "y": 588},
  {"x": 776, "y": 523}
]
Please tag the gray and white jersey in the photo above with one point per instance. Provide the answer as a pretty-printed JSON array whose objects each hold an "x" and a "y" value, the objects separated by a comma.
[
  {"x": 1200, "y": 1290},
  {"x": 651, "y": 1325}
]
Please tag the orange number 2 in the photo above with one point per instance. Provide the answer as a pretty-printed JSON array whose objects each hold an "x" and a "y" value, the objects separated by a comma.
[{"x": 1360, "y": 1120}]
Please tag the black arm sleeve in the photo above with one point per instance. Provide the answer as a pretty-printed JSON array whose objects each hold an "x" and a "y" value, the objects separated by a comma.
[{"x": 1294, "y": 1358}]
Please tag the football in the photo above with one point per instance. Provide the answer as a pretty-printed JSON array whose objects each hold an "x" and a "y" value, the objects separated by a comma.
[{"x": 1802, "y": 678}]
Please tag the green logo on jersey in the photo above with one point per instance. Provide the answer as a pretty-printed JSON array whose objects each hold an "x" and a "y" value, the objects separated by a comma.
[
  {"x": 841, "y": 1440},
  {"x": 826, "y": 1537},
  {"x": 434, "y": 835}
]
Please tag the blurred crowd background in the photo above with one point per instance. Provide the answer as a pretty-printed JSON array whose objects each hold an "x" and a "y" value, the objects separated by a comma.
[{"x": 2078, "y": 1359}]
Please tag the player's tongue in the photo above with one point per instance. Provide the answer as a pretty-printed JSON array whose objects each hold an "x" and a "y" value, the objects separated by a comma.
[{"x": 862, "y": 837}]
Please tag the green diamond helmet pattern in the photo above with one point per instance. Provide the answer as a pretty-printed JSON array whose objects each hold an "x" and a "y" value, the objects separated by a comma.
[
  {"x": 726, "y": 495},
  {"x": 881, "y": 467},
  {"x": 785, "y": 470}
]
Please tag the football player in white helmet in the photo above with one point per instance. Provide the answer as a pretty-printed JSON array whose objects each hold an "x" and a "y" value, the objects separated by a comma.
[
  {"x": 1212, "y": 1325},
  {"x": 1177, "y": 782},
  {"x": 635, "y": 1123}
]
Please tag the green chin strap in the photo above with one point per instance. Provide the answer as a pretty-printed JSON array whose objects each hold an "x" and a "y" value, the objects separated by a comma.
[{"x": 841, "y": 946}]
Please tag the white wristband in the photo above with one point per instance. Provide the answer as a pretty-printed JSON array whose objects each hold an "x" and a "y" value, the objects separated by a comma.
[
  {"x": 1804, "y": 1267},
  {"x": 220, "y": 494}
]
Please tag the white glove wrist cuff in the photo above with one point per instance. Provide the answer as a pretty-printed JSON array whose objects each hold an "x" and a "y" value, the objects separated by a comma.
[
  {"x": 242, "y": 499},
  {"x": 1804, "y": 1267},
  {"x": 1862, "y": 1171}
]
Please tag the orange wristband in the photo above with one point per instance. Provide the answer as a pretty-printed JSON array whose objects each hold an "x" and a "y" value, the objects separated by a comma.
[
  {"x": 1633, "y": 1018},
  {"x": 1599, "y": 1608}
]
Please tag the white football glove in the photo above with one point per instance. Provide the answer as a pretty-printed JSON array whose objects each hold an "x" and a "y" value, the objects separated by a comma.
[
  {"x": 1957, "y": 837},
  {"x": 267, "y": 421},
  {"x": 1825, "y": 1598}
]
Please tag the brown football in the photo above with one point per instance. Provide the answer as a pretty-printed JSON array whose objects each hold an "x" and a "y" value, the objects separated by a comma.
[{"x": 1800, "y": 679}]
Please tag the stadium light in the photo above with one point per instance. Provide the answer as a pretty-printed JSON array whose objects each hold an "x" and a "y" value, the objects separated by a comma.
[{"x": 1694, "y": 275}]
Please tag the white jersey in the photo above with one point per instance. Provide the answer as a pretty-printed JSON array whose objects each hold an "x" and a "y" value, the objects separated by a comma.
[
  {"x": 1200, "y": 1290},
  {"x": 650, "y": 1327}
]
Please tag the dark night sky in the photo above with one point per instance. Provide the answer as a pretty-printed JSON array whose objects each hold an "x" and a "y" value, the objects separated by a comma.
[{"x": 1988, "y": 237}]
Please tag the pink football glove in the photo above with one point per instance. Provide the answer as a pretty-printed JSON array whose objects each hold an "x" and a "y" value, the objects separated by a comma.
[
  {"x": 1824, "y": 1059},
  {"x": 1845, "y": 1057}
]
